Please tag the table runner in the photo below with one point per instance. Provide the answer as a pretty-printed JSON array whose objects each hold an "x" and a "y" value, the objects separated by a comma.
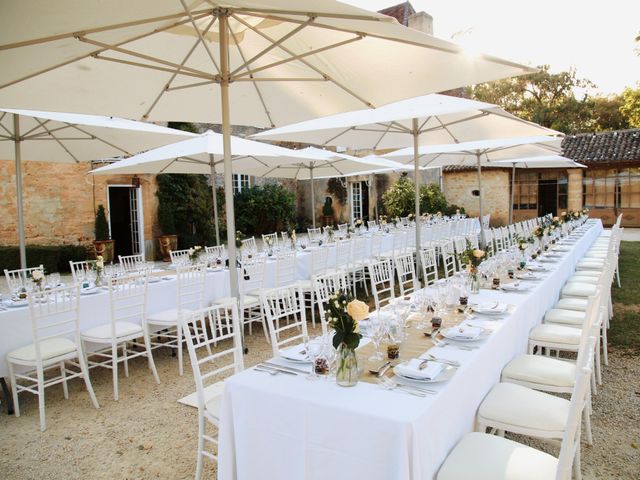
[{"x": 284, "y": 427}]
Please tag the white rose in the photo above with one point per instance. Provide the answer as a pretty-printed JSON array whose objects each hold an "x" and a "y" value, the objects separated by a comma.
[
  {"x": 37, "y": 275},
  {"x": 100, "y": 263}
]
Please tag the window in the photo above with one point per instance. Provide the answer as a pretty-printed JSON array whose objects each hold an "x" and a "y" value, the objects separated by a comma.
[
  {"x": 599, "y": 188},
  {"x": 628, "y": 193},
  {"x": 525, "y": 195},
  {"x": 356, "y": 200},
  {"x": 240, "y": 183}
]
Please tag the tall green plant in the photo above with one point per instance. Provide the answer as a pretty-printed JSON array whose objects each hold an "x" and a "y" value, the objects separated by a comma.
[
  {"x": 399, "y": 199},
  {"x": 264, "y": 209},
  {"x": 101, "y": 229},
  {"x": 165, "y": 218}
]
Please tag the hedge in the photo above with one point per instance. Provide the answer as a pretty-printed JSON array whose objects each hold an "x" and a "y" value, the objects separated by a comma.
[{"x": 55, "y": 258}]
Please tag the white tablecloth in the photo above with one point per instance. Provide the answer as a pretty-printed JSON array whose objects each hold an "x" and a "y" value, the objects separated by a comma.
[{"x": 285, "y": 427}]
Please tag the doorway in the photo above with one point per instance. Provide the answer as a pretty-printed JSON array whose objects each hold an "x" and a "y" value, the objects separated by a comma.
[
  {"x": 125, "y": 219},
  {"x": 359, "y": 201},
  {"x": 547, "y": 197}
]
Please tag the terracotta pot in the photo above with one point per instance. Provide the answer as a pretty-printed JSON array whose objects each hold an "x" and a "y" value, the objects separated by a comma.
[
  {"x": 105, "y": 249},
  {"x": 327, "y": 220},
  {"x": 167, "y": 244}
]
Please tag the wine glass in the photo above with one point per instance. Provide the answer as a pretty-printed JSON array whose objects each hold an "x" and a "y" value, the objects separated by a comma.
[
  {"x": 314, "y": 350},
  {"x": 377, "y": 332}
]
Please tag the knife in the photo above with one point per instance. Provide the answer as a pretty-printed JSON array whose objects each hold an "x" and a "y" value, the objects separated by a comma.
[{"x": 284, "y": 367}]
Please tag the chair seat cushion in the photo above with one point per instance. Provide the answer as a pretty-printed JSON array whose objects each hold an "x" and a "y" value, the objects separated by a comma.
[
  {"x": 167, "y": 317},
  {"x": 590, "y": 265},
  {"x": 578, "y": 289},
  {"x": 566, "y": 317},
  {"x": 541, "y": 370},
  {"x": 557, "y": 334},
  {"x": 103, "y": 332},
  {"x": 305, "y": 285},
  {"x": 49, "y": 348},
  {"x": 250, "y": 301},
  {"x": 577, "y": 278},
  {"x": 595, "y": 256},
  {"x": 512, "y": 404},
  {"x": 587, "y": 273},
  {"x": 213, "y": 398},
  {"x": 569, "y": 303},
  {"x": 479, "y": 456}
]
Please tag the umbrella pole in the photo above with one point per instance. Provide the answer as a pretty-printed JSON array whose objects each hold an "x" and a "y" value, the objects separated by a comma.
[
  {"x": 226, "y": 140},
  {"x": 513, "y": 189},
  {"x": 18, "y": 159},
  {"x": 313, "y": 199},
  {"x": 416, "y": 174},
  {"x": 482, "y": 242},
  {"x": 215, "y": 198}
]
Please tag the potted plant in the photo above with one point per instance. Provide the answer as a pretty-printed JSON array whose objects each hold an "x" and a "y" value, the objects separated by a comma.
[
  {"x": 103, "y": 244},
  {"x": 168, "y": 241},
  {"x": 327, "y": 211}
]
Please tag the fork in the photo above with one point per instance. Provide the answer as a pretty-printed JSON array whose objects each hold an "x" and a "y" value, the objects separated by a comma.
[
  {"x": 442, "y": 343},
  {"x": 387, "y": 384}
]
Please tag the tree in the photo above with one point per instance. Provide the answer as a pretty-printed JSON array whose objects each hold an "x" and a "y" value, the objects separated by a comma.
[
  {"x": 264, "y": 209},
  {"x": 101, "y": 229},
  {"x": 550, "y": 100},
  {"x": 399, "y": 199},
  {"x": 631, "y": 105}
]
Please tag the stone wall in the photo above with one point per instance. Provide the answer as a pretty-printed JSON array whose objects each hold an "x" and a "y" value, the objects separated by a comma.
[{"x": 458, "y": 188}]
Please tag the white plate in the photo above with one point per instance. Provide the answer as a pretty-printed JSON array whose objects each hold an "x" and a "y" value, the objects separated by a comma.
[
  {"x": 90, "y": 291},
  {"x": 499, "y": 309},
  {"x": 16, "y": 304},
  {"x": 528, "y": 277},
  {"x": 447, "y": 372},
  {"x": 510, "y": 287},
  {"x": 154, "y": 279},
  {"x": 483, "y": 333}
]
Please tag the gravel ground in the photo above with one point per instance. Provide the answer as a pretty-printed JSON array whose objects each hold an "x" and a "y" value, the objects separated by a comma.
[{"x": 147, "y": 434}]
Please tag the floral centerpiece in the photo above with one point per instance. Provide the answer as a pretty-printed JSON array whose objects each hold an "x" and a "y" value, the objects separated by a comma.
[
  {"x": 98, "y": 266},
  {"x": 343, "y": 316},
  {"x": 358, "y": 223},
  {"x": 538, "y": 232},
  {"x": 194, "y": 253},
  {"x": 37, "y": 277},
  {"x": 269, "y": 243},
  {"x": 472, "y": 258},
  {"x": 411, "y": 217},
  {"x": 239, "y": 238},
  {"x": 294, "y": 238}
]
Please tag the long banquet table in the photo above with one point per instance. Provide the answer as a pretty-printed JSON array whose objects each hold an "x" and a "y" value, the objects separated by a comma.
[{"x": 285, "y": 427}]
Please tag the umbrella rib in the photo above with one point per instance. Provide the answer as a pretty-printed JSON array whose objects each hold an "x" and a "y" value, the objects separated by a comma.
[
  {"x": 191, "y": 85},
  {"x": 455, "y": 122},
  {"x": 62, "y": 145},
  {"x": 175, "y": 74},
  {"x": 35, "y": 136},
  {"x": 273, "y": 45},
  {"x": 255, "y": 85},
  {"x": 306, "y": 63},
  {"x": 446, "y": 129},
  {"x": 96, "y": 137},
  {"x": 152, "y": 67},
  {"x": 28, "y": 132},
  {"x": 93, "y": 53},
  {"x": 346, "y": 130},
  {"x": 200, "y": 37},
  {"x": 375, "y": 145}
]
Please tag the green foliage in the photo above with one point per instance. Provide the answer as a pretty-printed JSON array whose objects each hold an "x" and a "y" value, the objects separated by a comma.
[
  {"x": 264, "y": 209},
  {"x": 54, "y": 258},
  {"x": 399, "y": 199},
  {"x": 188, "y": 198},
  {"x": 337, "y": 188},
  {"x": 327, "y": 208},
  {"x": 549, "y": 99},
  {"x": 101, "y": 229},
  {"x": 631, "y": 105},
  {"x": 165, "y": 218},
  {"x": 344, "y": 326}
]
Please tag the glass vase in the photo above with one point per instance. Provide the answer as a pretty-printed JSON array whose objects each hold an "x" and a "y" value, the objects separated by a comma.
[
  {"x": 475, "y": 283},
  {"x": 346, "y": 366}
]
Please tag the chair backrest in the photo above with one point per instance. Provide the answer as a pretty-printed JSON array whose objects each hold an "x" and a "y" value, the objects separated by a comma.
[
  {"x": 286, "y": 272},
  {"x": 285, "y": 237},
  {"x": 269, "y": 238},
  {"x": 372, "y": 225},
  {"x": 217, "y": 251},
  {"x": 252, "y": 277},
  {"x": 319, "y": 258},
  {"x": 131, "y": 263},
  {"x": 406, "y": 271},
  {"x": 179, "y": 257},
  {"x": 315, "y": 234},
  {"x": 343, "y": 227},
  {"x": 359, "y": 246},
  {"x": 249, "y": 244},
  {"x": 286, "y": 318},
  {"x": 55, "y": 313},
  {"x": 209, "y": 354},
  {"x": 448, "y": 258},
  {"x": 325, "y": 286},
  {"x": 459, "y": 246},
  {"x": 79, "y": 269},
  {"x": 18, "y": 278},
  {"x": 190, "y": 287},
  {"x": 429, "y": 265},
  {"x": 127, "y": 299},
  {"x": 343, "y": 254},
  {"x": 382, "y": 281},
  {"x": 376, "y": 245}
]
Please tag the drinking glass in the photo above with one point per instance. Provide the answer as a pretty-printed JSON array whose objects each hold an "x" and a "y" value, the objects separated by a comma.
[
  {"x": 314, "y": 349},
  {"x": 377, "y": 333}
]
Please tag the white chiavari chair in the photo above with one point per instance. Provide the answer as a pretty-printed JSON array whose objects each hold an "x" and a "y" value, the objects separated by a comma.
[
  {"x": 179, "y": 257},
  {"x": 216, "y": 251},
  {"x": 343, "y": 256},
  {"x": 406, "y": 271},
  {"x": 55, "y": 325},
  {"x": 286, "y": 319},
  {"x": 357, "y": 270},
  {"x": 325, "y": 286},
  {"x": 80, "y": 269},
  {"x": 18, "y": 278},
  {"x": 285, "y": 237},
  {"x": 209, "y": 363},
  {"x": 343, "y": 228},
  {"x": 382, "y": 281},
  {"x": 429, "y": 265},
  {"x": 318, "y": 262},
  {"x": 286, "y": 272},
  {"x": 270, "y": 238},
  {"x": 128, "y": 304},
  {"x": 131, "y": 263},
  {"x": 315, "y": 234},
  {"x": 372, "y": 225},
  {"x": 189, "y": 297},
  {"x": 459, "y": 246},
  {"x": 448, "y": 258},
  {"x": 249, "y": 244}
]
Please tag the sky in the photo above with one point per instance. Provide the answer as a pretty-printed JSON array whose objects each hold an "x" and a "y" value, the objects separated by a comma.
[{"x": 594, "y": 37}]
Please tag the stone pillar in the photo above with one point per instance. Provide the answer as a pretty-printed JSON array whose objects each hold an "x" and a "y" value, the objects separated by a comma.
[{"x": 574, "y": 188}]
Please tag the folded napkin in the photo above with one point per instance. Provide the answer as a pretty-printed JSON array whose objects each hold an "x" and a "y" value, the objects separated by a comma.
[
  {"x": 295, "y": 353},
  {"x": 491, "y": 308},
  {"x": 463, "y": 332},
  {"x": 411, "y": 369}
]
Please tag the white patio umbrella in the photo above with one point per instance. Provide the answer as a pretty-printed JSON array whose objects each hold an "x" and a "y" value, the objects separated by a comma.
[
  {"x": 29, "y": 135},
  {"x": 429, "y": 119},
  {"x": 543, "y": 161},
  {"x": 275, "y": 61},
  {"x": 471, "y": 153}
]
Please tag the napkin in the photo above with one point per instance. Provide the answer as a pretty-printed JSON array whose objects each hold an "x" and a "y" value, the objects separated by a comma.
[
  {"x": 412, "y": 369},
  {"x": 295, "y": 353},
  {"x": 491, "y": 308},
  {"x": 463, "y": 332}
]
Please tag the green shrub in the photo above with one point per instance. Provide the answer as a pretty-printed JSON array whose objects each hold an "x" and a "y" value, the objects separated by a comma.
[
  {"x": 165, "y": 218},
  {"x": 54, "y": 258},
  {"x": 432, "y": 200},
  {"x": 264, "y": 209},
  {"x": 399, "y": 199},
  {"x": 101, "y": 230}
]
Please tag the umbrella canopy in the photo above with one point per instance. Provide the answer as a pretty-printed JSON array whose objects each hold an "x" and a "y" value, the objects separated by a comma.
[
  {"x": 275, "y": 61},
  {"x": 471, "y": 153},
  {"x": 65, "y": 137}
]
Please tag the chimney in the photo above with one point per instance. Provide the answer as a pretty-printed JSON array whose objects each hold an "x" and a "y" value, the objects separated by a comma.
[{"x": 421, "y": 21}]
